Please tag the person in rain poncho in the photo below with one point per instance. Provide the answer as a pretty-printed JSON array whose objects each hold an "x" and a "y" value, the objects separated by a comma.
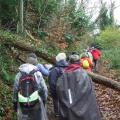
[{"x": 30, "y": 111}]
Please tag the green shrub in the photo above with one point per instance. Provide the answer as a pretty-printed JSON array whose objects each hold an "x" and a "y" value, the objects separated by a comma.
[
  {"x": 5, "y": 63},
  {"x": 113, "y": 57},
  {"x": 5, "y": 99},
  {"x": 110, "y": 42},
  {"x": 109, "y": 38},
  {"x": 69, "y": 37},
  {"x": 80, "y": 22},
  {"x": 42, "y": 34}
]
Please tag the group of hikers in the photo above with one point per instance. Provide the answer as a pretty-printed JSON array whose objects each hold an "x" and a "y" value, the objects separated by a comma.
[
  {"x": 70, "y": 87},
  {"x": 90, "y": 58}
]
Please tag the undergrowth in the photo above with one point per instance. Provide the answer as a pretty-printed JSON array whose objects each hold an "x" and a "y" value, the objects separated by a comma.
[
  {"x": 6, "y": 62},
  {"x": 5, "y": 102},
  {"x": 113, "y": 57},
  {"x": 110, "y": 42}
]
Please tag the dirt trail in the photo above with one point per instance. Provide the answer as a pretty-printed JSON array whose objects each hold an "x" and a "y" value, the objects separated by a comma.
[
  {"x": 109, "y": 103},
  {"x": 108, "y": 99}
]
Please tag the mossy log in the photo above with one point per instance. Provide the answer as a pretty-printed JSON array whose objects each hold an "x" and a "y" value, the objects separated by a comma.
[
  {"x": 105, "y": 81},
  {"x": 18, "y": 42},
  {"x": 29, "y": 48}
]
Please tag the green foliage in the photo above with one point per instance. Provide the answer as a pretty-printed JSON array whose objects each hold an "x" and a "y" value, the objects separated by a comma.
[
  {"x": 42, "y": 34},
  {"x": 46, "y": 6},
  {"x": 110, "y": 42},
  {"x": 8, "y": 14},
  {"x": 69, "y": 38},
  {"x": 5, "y": 100},
  {"x": 78, "y": 46},
  {"x": 7, "y": 76},
  {"x": 8, "y": 9},
  {"x": 72, "y": 5},
  {"x": 109, "y": 38},
  {"x": 105, "y": 17},
  {"x": 80, "y": 22},
  {"x": 48, "y": 49},
  {"x": 5, "y": 63},
  {"x": 45, "y": 9},
  {"x": 7, "y": 35},
  {"x": 113, "y": 56}
]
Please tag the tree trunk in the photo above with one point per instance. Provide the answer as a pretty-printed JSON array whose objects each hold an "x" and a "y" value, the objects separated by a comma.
[
  {"x": 105, "y": 81},
  {"x": 26, "y": 47},
  {"x": 21, "y": 16},
  {"x": 0, "y": 10}
]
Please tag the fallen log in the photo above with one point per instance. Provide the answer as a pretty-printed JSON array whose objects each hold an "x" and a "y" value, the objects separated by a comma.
[
  {"x": 105, "y": 81},
  {"x": 19, "y": 59},
  {"x": 27, "y": 47},
  {"x": 31, "y": 37},
  {"x": 16, "y": 41}
]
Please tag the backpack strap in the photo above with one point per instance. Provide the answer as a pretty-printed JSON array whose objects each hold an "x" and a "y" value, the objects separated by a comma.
[
  {"x": 33, "y": 71},
  {"x": 59, "y": 70},
  {"x": 23, "y": 73}
]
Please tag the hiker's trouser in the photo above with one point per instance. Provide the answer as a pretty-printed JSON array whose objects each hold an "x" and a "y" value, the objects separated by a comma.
[
  {"x": 95, "y": 65},
  {"x": 56, "y": 104},
  {"x": 33, "y": 113},
  {"x": 62, "y": 118}
]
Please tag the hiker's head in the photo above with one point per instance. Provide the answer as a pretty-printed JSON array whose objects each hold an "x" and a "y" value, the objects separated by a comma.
[
  {"x": 32, "y": 58},
  {"x": 60, "y": 56},
  {"x": 74, "y": 58},
  {"x": 70, "y": 53},
  {"x": 84, "y": 55}
]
